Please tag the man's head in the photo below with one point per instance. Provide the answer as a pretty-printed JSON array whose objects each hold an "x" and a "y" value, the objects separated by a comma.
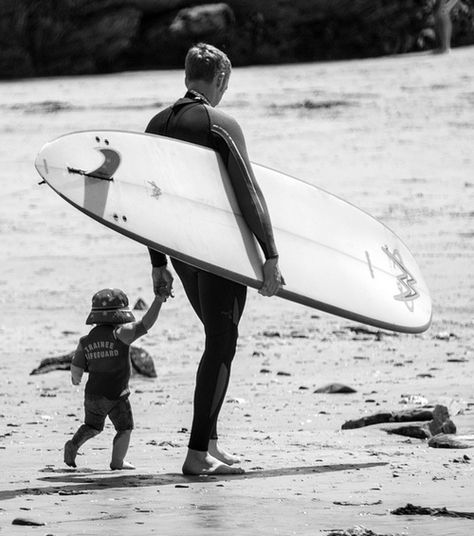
[{"x": 207, "y": 70}]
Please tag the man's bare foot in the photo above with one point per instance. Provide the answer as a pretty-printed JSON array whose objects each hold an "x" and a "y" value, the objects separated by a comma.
[
  {"x": 215, "y": 450},
  {"x": 124, "y": 465},
  {"x": 202, "y": 463}
]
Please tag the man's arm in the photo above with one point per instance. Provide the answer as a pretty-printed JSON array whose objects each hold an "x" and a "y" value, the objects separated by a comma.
[
  {"x": 231, "y": 145},
  {"x": 248, "y": 192}
]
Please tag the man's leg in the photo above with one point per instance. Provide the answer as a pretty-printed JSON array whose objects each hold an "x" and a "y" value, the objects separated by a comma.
[{"x": 221, "y": 304}]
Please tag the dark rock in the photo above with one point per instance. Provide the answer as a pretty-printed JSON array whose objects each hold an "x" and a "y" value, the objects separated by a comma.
[
  {"x": 142, "y": 362},
  {"x": 27, "y": 522},
  {"x": 160, "y": 6},
  {"x": 464, "y": 459},
  {"x": 299, "y": 335},
  {"x": 270, "y": 333},
  {"x": 140, "y": 305},
  {"x": 418, "y": 431},
  {"x": 202, "y": 20},
  {"x": 441, "y": 422},
  {"x": 449, "y": 441},
  {"x": 335, "y": 388}
]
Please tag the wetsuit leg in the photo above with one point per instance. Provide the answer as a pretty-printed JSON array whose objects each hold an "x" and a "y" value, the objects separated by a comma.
[{"x": 219, "y": 303}]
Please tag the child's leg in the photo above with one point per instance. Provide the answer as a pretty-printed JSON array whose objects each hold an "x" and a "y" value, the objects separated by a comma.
[
  {"x": 119, "y": 450},
  {"x": 96, "y": 409},
  {"x": 71, "y": 447},
  {"x": 122, "y": 418}
]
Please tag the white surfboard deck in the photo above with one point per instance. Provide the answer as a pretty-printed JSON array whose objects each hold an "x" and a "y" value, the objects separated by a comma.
[{"x": 176, "y": 197}]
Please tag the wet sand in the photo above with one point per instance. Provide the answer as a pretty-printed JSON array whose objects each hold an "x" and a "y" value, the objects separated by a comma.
[{"x": 393, "y": 136}]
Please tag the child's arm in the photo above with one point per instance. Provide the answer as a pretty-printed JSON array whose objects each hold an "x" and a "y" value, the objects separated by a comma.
[
  {"x": 78, "y": 364},
  {"x": 76, "y": 374},
  {"x": 129, "y": 333},
  {"x": 150, "y": 317}
]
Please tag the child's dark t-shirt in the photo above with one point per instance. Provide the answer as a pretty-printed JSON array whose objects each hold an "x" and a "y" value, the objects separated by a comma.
[{"x": 107, "y": 360}]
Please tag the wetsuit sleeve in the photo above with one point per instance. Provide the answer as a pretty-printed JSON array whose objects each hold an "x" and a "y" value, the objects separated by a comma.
[
  {"x": 230, "y": 144},
  {"x": 157, "y": 258}
]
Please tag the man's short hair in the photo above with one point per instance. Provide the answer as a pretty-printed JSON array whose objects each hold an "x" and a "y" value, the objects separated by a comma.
[{"x": 204, "y": 62}]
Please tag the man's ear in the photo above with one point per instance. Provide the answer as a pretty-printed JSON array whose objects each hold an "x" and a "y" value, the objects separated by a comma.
[{"x": 220, "y": 80}]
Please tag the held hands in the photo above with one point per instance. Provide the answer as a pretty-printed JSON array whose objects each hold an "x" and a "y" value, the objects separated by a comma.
[
  {"x": 272, "y": 278},
  {"x": 162, "y": 282}
]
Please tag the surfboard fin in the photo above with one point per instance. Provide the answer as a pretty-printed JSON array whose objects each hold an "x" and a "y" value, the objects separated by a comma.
[{"x": 92, "y": 174}]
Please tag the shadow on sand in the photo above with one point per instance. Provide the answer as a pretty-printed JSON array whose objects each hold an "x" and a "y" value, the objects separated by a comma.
[{"x": 78, "y": 482}]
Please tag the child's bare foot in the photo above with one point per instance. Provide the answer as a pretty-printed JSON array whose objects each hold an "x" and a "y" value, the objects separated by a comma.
[
  {"x": 70, "y": 451},
  {"x": 123, "y": 465},
  {"x": 215, "y": 450},
  {"x": 202, "y": 463}
]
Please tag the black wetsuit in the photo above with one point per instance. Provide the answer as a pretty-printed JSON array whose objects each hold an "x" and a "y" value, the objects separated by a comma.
[{"x": 218, "y": 302}]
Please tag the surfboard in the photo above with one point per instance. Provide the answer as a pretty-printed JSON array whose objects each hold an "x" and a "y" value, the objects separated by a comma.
[{"x": 176, "y": 197}]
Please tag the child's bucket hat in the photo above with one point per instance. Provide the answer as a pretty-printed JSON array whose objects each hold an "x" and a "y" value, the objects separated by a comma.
[{"x": 110, "y": 306}]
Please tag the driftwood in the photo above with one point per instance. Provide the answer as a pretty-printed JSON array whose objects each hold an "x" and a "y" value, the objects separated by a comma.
[
  {"x": 450, "y": 441},
  {"x": 411, "y": 509},
  {"x": 142, "y": 363},
  {"x": 409, "y": 415},
  {"x": 436, "y": 425}
]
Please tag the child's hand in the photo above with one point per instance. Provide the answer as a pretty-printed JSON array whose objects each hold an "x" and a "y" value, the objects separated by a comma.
[{"x": 161, "y": 297}]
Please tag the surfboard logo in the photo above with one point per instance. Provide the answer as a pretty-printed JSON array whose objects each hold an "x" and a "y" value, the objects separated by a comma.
[
  {"x": 406, "y": 281},
  {"x": 156, "y": 191},
  {"x": 109, "y": 166},
  {"x": 106, "y": 170}
]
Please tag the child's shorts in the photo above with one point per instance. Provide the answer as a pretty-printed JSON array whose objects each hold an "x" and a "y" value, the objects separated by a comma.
[{"x": 98, "y": 408}]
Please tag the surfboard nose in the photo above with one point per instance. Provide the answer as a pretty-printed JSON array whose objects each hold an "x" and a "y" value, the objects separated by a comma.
[{"x": 41, "y": 164}]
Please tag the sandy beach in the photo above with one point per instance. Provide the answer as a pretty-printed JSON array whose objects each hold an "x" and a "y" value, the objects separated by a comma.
[{"x": 393, "y": 136}]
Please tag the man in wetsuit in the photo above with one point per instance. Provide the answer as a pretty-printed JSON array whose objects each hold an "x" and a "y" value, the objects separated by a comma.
[{"x": 218, "y": 302}]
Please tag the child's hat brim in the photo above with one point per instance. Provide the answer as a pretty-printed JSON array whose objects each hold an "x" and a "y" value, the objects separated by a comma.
[{"x": 110, "y": 316}]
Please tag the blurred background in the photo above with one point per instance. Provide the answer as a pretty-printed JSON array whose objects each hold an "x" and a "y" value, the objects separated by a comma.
[{"x": 71, "y": 37}]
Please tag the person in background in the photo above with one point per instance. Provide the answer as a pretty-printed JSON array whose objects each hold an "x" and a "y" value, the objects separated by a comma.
[{"x": 443, "y": 25}]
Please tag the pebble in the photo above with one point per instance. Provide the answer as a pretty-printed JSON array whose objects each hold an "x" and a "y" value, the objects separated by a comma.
[
  {"x": 335, "y": 388},
  {"x": 27, "y": 521}
]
